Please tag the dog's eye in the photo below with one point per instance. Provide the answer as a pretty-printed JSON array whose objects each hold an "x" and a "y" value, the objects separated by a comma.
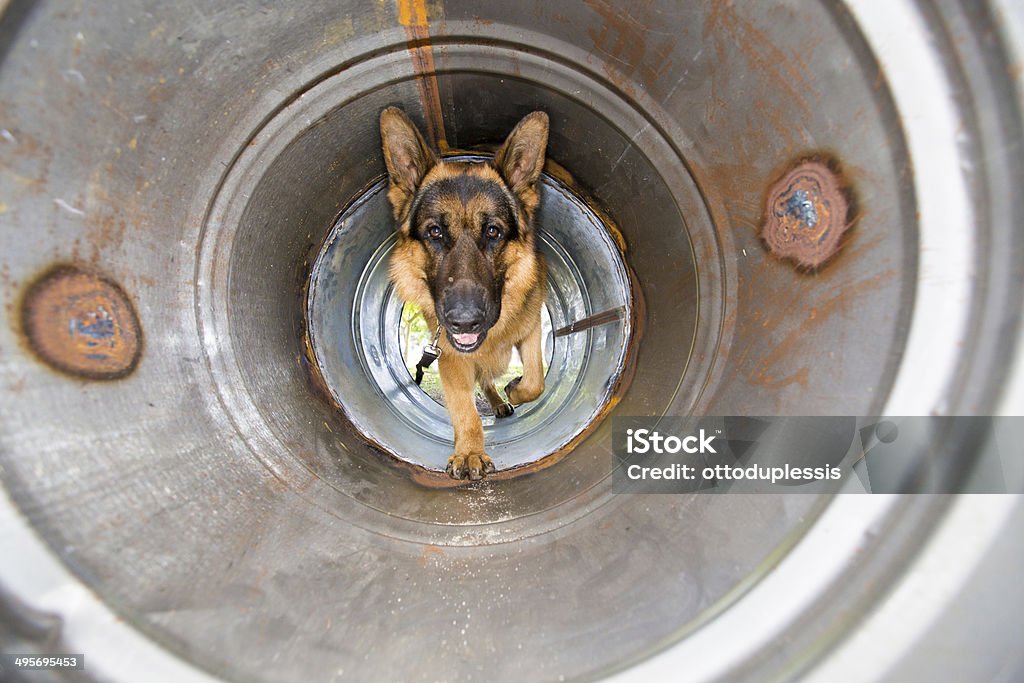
[
  {"x": 434, "y": 231},
  {"x": 493, "y": 232}
]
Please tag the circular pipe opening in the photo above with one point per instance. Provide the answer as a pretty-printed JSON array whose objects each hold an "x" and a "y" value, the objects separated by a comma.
[
  {"x": 353, "y": 313},
  {"x": 640, "y": 179}
]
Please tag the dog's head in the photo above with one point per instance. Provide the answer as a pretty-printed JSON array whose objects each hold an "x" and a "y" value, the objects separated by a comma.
[{"x": 465, "y": 229}]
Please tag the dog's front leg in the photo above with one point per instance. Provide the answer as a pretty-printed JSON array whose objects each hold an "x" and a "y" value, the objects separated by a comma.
[
  {"x": 458, "y": 380},
  {"x": 531, "y": 384}
]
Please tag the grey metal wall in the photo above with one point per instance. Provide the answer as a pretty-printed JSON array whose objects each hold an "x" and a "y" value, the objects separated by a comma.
[{"x": 190, "y": 503}]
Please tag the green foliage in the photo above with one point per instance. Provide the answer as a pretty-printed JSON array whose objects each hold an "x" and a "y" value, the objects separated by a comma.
[{"x": 413, "y": 335}]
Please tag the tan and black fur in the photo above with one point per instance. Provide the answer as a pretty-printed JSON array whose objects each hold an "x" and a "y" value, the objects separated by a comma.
[{"x": 467, "y": 256}]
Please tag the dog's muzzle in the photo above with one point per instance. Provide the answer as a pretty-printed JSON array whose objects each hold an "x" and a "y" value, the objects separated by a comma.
[{"x": 464, "y": 314}]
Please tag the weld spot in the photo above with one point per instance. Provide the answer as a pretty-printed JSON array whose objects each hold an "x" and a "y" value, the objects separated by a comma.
[
  {"x": 81, "y": 323},
  {"x": 806, "y": 214}
]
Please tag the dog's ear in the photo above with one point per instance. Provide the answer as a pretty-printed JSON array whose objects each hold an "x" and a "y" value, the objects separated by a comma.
[
  {"x": 521, "y": 159},
  {"x": 406, "y": 155}
]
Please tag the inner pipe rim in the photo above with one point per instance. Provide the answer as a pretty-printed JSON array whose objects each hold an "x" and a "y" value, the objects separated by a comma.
[{"x": 578, "y": 388}]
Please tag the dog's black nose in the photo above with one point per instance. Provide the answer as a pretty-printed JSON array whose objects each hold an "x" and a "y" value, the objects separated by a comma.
[
  {"x": 464, "y": 309},
  {"x": 464, "y": 317}
]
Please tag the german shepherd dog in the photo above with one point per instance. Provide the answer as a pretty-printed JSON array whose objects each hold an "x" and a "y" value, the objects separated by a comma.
[{"x": 467, "y": 255}]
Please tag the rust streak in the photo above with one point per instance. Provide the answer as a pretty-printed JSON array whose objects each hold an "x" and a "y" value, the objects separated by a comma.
[
  {"x": 412, "y": 15},
  {"x": 840, "y": 298},
  {"x": 727, "y": 28},
  {"x": 429, "y": 551}
]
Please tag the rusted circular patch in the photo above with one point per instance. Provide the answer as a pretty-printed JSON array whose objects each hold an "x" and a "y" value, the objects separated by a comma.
[
  {"x": 81, "y": 323},
  {"x": 806, "y": 214}
]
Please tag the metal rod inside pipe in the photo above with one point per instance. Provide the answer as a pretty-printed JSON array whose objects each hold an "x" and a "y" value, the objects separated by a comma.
[{"x": 611, "y": 315}]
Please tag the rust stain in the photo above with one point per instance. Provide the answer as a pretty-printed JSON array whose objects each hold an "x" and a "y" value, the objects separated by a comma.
[
  {"x": 651, "y": 71},
  {"x": 726, "y": 29},
  {"x": 780, "y": 131},
  {"x": 622, "y": 39},
  {"x": 412, "y": 14},
  {"x": 807, "y": 213},
  {"x": 28, "y": 161},
  {"x": 311, "y": 371},
  {"x": 516, "y": 69},
  {"x": 80, "y": 322},
  {"x": 107, "y": 232},
  {"x": 799, "y": 377},
  {"x": 840, "y": 298},
  {"x": 736, "y": 184},
  {"x": 429, "y": 551}
]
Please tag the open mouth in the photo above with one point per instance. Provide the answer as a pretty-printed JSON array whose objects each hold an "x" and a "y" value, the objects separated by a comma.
[{"x": 466, "y": 342}]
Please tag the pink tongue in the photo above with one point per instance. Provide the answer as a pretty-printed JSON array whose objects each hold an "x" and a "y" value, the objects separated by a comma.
[{"x": 466, "y": 339}]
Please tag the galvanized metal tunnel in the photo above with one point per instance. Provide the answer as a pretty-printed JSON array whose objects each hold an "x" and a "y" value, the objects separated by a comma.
[{"x": 197, "y": 458}]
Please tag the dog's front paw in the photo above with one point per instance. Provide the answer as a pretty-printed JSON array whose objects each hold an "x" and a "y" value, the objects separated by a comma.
[
  {"x": 504, "y": 410},
  {"x": 473, "y": 465}
]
